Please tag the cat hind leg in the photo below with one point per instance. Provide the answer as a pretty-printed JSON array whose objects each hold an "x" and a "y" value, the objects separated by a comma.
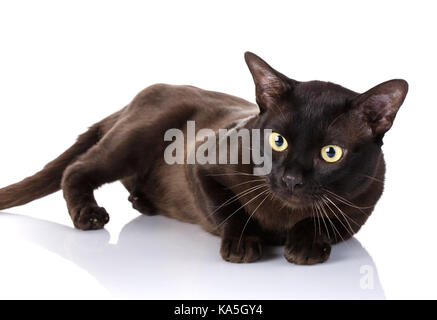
[{"x": 113, "y": 158}]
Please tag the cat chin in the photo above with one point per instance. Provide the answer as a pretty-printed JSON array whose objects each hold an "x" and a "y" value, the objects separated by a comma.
[{"x": 293, "y": 201}]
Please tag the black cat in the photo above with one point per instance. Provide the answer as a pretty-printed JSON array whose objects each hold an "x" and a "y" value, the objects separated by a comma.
[{"x": 327, "y": 167}]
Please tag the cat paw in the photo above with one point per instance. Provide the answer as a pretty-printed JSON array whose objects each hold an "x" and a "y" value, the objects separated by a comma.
[
  {"x": 90, "y": 217},
  {"x": 142, "y": 205},
  {"x": 249, "y": 249},
  {"x": 307, "y": 252}
]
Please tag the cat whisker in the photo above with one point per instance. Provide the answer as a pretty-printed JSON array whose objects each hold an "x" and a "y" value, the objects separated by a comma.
[
  {"x": 317, "y": 217},
  {"x": 344, "y": 201},
  {"x": 245, "y": 225},
  {"x": 317, "y": 224},
  {"x": 341, "y": 222},
  {"x": 246, "y": 182},
  {"x": 371, "y": 178},
  {"x": 342, "y": 213},
  {"x": 241, "y": 207},
  {"x": 237, "y": 197},
  {"x": 235, "y": 172},
  {"x": 322, "y": 214},
  {"x": 334, "y": 229},
  {"x": 347, "y": 202},
  {"x": 318, "y": 221},
  {"x": 314, "y": 219},
  {"x": 230, "y": 174}
]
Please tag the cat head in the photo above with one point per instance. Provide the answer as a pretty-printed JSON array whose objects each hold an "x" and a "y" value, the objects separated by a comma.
[{"x": 325, "y": 137}]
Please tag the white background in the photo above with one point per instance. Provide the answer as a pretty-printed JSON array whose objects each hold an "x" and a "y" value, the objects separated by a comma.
[{"x": 65, "y": 65}]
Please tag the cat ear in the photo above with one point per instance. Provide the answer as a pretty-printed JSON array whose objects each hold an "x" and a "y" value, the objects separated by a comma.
[
  {"x": 270, "y": 85},
  {"x": 378, "y": 106}
]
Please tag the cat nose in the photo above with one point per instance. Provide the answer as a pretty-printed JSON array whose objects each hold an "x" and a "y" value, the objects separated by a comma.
[{"x": 292, "y": 180}]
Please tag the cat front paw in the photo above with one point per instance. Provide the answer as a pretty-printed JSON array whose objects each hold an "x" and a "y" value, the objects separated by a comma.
[
  {"x": 249, "y": 249},
  {"x": 306, "y": 252},
  {"x": 90, "y": 217}
]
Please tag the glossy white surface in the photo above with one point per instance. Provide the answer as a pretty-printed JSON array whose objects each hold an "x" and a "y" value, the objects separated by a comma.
[{"x": 159, "y": 258}]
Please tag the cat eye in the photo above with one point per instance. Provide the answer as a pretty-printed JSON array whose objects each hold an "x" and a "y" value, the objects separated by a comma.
[
  {"x": 278, "y": 142},
  {"x": 331, "y": 153}
]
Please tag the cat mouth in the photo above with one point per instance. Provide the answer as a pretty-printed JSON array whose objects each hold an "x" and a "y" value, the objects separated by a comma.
[{"x": 298, "y": 198}]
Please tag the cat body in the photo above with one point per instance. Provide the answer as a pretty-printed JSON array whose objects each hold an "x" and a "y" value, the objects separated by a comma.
[{"x": 307, "y": 201}]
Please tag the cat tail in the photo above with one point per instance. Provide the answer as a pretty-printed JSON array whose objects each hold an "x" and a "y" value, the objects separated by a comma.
[{"x": 48, "y": 180}]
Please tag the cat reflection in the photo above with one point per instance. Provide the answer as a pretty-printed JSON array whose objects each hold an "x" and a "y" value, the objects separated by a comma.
[{"x": 135, "y": 267}]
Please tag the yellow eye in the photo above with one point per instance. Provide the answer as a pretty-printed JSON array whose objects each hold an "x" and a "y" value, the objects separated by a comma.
[
  {"x": 331, "y": 153},
  {"x": 278, "y": 142}
]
